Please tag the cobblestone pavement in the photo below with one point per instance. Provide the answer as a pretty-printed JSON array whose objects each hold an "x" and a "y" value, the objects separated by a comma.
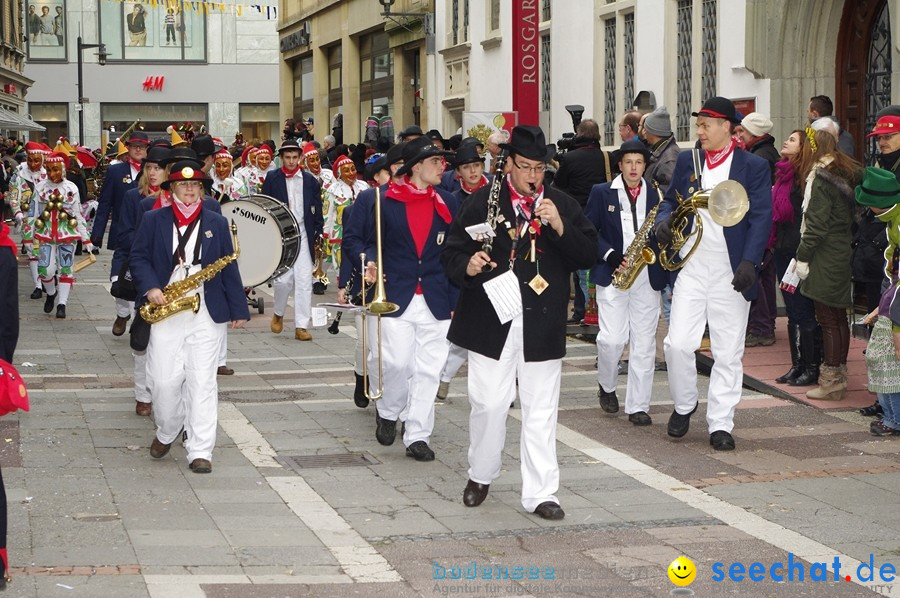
[{"x": 91, "y": 514}]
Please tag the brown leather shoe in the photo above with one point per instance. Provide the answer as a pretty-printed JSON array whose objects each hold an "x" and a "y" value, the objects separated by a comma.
[
  {"x": 158, "y": 450},
  {"x": 302, "y": 335},
  {"x": 224, "y": 370},
  {"x": 119, "y": 325},
  {"x": 201, "y": 466},
  {"x": 277, "y": 324},
  {"x": 142, "y": 409}
]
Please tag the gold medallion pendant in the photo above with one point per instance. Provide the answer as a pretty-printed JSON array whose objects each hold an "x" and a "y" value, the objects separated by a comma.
[{"x": 538, "y": 284}]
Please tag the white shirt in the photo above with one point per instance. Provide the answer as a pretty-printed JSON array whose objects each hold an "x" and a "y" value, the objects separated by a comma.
[
  {"x": 628, "y": 232},
  {"x": 295, "y": 197}
]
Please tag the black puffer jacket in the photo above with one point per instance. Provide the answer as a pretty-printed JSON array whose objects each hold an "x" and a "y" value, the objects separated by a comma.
[{"x": 583, "y": 167}]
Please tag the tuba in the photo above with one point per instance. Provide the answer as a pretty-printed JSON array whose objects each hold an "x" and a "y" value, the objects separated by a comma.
[
  {"x": 638, "y": 255},
  {"x": 727, "y": 203}
]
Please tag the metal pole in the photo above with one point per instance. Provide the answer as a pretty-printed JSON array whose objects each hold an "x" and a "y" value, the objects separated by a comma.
[{"x": 80, "y": 98}]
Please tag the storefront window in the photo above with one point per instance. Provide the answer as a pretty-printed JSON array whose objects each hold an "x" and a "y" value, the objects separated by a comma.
[
  {"x": 154, "y": 117},
  {"x": 335, "y": 89},
  {"x": 45, "y": 29},
  {"x": 53, "y": 116},
  {"x": 158, "y": 31},
  {"x": 303, "y": 88},
  {"x": 376, "y": 90},
  {"x": 259, "y": 122}
]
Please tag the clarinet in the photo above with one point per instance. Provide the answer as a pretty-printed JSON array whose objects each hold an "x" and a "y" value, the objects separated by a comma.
[
  {"x": 336, "y": 324},
  {"x": 493, "y": 205}
]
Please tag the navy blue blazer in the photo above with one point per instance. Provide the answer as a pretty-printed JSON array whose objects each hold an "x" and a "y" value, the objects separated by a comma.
[
  {"x": 151, "y": 262},
  {"x": 133, "y": 208},
  {"x": 604, "y": 210},
  {"x": 402, "y": 267},
  {"x": 347, "y": 271},
  {"x": 747, "y": 239},
  {"x": 275, "y": 186},
  {"x": 115, "y": 184},
  {"x": 449, "y": 182}
]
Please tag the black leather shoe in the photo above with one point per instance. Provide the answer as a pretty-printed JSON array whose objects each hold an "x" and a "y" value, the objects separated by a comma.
[
  {"x": 158, "y": 450},
  {"x": 609, "y": 402},
  {"x": 359, "y": 393},
  {"x": 420, "y": 451},
  {"x": 679, "y": 424},
  {"x": 319, "y": 288},
  {"x": 877, "y": 428},
  {"x": 549, "y": 510},
  {"x": 475, "y": 493},
  {"x": 119, "y": 325},
  {"x": 37, "y": 293},
  {"x": 49, "y": 300},
  {"x": 721, "y": 440},
  {"x": 385, "y": 430},
  {"x": 873, "y": 410},
  {"x": 61, "y": 311},
  {"x": 641, "y": 418}
]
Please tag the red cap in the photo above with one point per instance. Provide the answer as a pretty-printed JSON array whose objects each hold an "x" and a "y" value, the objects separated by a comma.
[
  {"x": 245, "y": 155},
  {"x": 885, "y": 126},
  {"x": 223, "y": 153},
  {"x": 264, "y": 149},
  {"x": 57, "y": 157},
  {"x": 33, "y": 147},
  {"x": 13, "y": 393},
  {"x": 309, "y": 148},
  {"x": 340, "y": 162}
]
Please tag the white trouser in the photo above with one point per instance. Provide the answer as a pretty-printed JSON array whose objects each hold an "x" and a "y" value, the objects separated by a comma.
[
  {"x": 141, "y": 385},
  {"x": 628, "y": 316},
  {"x": 358, "y": 358},
  {"x": 455, "y": 359},
  {"x": 181, "y": 369},
  {"x": 492, "y": 387},
  {"x": 703, "y": 293},
  {"x": 124, "y": 309},
  {"x": 223, "y": 349},
  {"x": 33, "y": 265},
  {"x": 411, "y": 345},
  {"x": 299, "y": 280}
]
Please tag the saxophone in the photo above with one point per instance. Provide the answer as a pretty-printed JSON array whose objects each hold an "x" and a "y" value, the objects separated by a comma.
[
  {"x": 638, "y": 255},
  {"x": 176, "y": 292}
]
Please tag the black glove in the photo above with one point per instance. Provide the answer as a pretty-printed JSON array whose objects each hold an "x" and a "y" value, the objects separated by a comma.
[
  {"x": 664, "y": 230},
  {"x": 744, "y": 276},
  {"x": 615, "y": 259}
]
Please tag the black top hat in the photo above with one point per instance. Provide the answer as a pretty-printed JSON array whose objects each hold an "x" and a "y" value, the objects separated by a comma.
[
  {"x": 180, "y": 154},
  {"x": 289, "y": 145},
  {"x": 161, "y": 142},
  {"x": 157, "y": 155},
  {"x": 466, "y": 154},
  {"x": 719, "y": 107},
  {"x": 203, "y": 145},
  {"x": 410, "y": 130},
  {"x": 632, "y": 146},
  {"x": 185, "y": 170},
  {"x": 138, "y": 137},
  {"x": 395, "y": 153},
  {"x": 417, "y": 150},
  {"x": 435, "y": 135},
  {"x": 528, "y": 141}
]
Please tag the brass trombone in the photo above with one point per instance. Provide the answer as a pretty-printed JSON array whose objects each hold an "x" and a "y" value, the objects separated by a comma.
[{"x": 378, "y": 306}]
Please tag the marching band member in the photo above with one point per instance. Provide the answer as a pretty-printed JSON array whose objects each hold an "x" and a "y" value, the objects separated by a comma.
[
  {"x": 312, "y": 162},
  {"x": 415, "y": 218},
  {"x": 120, "y": 178},
  {"x": 618, "y": 210},
  {"x": 301, "y": 193},
  {"x": 717, "y": 284},
  {"x": 21, "y": 192},
  {"x": 58, "y": 226},
  {"x": 171, "y": 244},
  {"x": 337, "y": 195},
  {"x": 541, "y": 237},
  {"x": 226, "y": 186},
  {"x": 350, "y": 278}
]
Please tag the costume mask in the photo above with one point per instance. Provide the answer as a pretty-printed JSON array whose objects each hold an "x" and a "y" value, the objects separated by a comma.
[
  {"x": 35, "y": 161},
  {"x": 223, "y": 168},
  {"x": 55, "y": 172},
  {"x": 313, "y": 164},
  {"x": 263, "y": 160},
  {"x": 348, "y": 173}
]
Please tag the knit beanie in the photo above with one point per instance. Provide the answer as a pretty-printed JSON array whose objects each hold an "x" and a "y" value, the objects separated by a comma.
[{"x": 658, "y": 123}]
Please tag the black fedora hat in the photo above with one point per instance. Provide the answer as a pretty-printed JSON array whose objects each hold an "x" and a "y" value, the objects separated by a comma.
[
  {"x": 180, "y": 154},
  {"x": 410, "y": 130},
  {"x": 632, "y": 146},
  {"x": 467, "y": 154},
  {"x": 138, "y": 137},
  {"x": 289, "y": 145},
  {"x": 157, "y": 155},
  {"x": 435, "y": 135},
  {"x": 186, "y": 170},
  {"x": 203, "y": 145},
  {"x": 395, "y": 153},
  {"x": 528, "y": 141},
  {"x": 719, "y": 107},
  {"x": 417, "y": 150}
]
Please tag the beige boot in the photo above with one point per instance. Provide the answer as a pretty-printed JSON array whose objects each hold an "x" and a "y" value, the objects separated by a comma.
[
  {"x": 277, "y": 324},
  {"x": 302, "y": 335},
  {"x": 832, "y": 383}
]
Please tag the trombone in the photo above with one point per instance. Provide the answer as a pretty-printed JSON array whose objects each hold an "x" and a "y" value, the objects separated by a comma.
[{"x": 378, "y": 306}]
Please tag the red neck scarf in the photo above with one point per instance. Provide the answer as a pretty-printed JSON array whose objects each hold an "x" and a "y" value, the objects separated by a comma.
[
  {"x": 481, "y": 183},
  {"x": 163, "y": 200},
  {"x": 406, "y": 192},
  {"x": 185, "y": 214},
  {"x": 290, "y": 173},
  {"x": 152, "y": 189},
  {"x": 714, "y": 158},
  {"x": 633, "y": 192},
  {"x": 526, "y": 201},
  {"x": 135, "y": 165}
]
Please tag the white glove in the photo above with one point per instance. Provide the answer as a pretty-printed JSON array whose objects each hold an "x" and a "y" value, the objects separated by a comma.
[
  {"x": 88, "y": 246},
  {"x": 802, "y": 270},
  {"x": 19, "y": 217}
]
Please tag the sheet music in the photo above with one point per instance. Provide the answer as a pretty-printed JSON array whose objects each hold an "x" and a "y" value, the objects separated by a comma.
[{"x": 504, "y": 294}]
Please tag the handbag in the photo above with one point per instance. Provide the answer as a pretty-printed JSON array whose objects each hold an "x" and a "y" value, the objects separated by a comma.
[
  {"x": 140, "y": 333},
  {"x": 123, "y": 287}
]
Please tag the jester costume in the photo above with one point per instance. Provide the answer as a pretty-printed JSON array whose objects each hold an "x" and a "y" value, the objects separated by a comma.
[
  {"x": 21, "y": 190},
  {"x": 226, "y": 186},
  {"x": 337, "y": 195}
]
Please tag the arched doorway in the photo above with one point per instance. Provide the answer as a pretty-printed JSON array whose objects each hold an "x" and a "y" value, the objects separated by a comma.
[{"x": 863, "y": 69}]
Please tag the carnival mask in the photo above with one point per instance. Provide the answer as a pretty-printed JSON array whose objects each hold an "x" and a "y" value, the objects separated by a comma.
[
  {"x": 34, "y": 161},
  {"x": 314, "y": 164},
  {"x": 55, "y": 172},
  {"x": 263, "y": 159},
  {"x": 347, "y": 173},
  {"x": 223, "y": 168}
]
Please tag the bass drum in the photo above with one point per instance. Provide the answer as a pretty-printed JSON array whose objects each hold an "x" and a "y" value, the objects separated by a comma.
[{"x": 268, "y": 234}]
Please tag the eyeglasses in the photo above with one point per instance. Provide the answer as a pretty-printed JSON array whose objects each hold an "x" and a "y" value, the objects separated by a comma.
[
  {"x": 190, "y": 184},
  {"x": 532, "y": 169}
]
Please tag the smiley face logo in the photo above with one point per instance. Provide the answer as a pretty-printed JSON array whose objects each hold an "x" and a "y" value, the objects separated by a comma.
[{"x": 682, "y": 571}]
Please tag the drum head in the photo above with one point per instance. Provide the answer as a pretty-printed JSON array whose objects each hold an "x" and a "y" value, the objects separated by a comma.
[{"x": 264, "y": 226}]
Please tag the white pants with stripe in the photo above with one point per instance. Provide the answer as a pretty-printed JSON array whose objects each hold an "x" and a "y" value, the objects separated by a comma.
[{"x": 492, "y": 387}]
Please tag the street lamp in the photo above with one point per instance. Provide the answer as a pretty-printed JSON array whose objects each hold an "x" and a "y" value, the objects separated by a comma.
[
  {"x": 101, "y": 60},
  {"x": 427, "y": 22}
]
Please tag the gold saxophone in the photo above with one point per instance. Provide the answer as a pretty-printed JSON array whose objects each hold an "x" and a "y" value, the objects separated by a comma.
[
  {"x": 176, "y": 292},
  {"x": 638, "y": 255}
]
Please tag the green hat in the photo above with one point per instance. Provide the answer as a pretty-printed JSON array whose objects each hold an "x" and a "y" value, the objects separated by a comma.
[{"x": 879, "y": 188}]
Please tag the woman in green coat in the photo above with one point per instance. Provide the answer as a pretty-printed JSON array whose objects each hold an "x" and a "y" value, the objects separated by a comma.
[{"x": 824, "y": 254}]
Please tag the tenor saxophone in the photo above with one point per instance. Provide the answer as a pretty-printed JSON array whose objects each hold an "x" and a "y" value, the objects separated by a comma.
[
  {"x": 638, "y": 255},
  {"x": 176, "y": 292}
]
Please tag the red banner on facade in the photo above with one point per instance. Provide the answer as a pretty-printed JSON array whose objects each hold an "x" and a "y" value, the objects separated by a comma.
[{"x": 526, "y": 43}]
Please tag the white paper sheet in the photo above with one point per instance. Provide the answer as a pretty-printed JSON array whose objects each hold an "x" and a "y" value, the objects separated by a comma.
[{"x": 504, "y": 294}]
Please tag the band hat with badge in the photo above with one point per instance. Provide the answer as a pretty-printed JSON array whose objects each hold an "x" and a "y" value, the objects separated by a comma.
[
  {"x": 289, "y": 145},
  {"x": 420, "y": 148},
  {"x": 757, "y": 124},
  {"x": 719, "y": 107},
  {"x": 632, "y": 146},
  {"x": 186, "y": 170},
  {"x": 886, "y": 125},
  {"x": 528, "y": 141},
  {"x": 879, "y": 189}
]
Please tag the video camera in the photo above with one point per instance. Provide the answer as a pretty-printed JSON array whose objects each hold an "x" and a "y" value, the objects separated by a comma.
[{"x": 565, "y": 143}]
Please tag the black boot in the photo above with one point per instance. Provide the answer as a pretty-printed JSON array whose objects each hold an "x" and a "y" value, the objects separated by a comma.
[
  {"x": 810, "y": 358},
  {"x": 794, "y": 343},
  {"x": 61, "y": 311},
  {"x": 49, "y": 300},
  {"x": 359, "y": 393}
]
